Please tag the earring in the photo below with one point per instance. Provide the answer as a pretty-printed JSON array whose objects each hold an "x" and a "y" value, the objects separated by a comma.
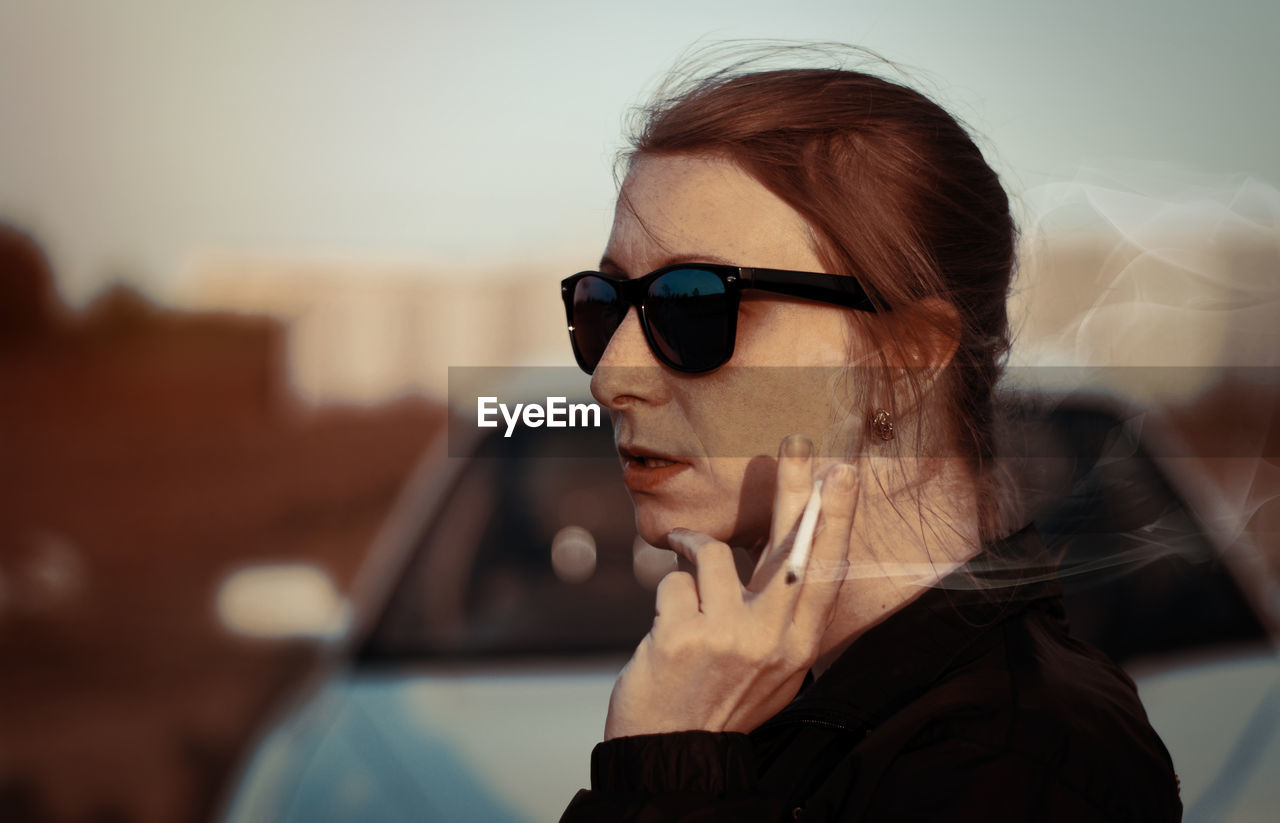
[{"x": 882, "y": 424}]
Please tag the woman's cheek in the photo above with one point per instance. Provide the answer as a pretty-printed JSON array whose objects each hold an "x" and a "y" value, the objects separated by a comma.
[{"x": 737, "y": 515}]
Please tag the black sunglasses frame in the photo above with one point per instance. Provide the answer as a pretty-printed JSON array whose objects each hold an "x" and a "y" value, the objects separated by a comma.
[{"x": 834, "y": 289}]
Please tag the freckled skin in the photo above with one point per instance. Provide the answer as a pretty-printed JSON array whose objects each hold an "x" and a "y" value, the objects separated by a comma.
[{"x": 726, "y": 424}]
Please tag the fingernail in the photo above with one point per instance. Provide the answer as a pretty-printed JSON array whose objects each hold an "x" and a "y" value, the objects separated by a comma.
[
  {"x": 841, "y": 478},
  {"x": 797, "y": 445},
  {"x": 679, "y": 535}
]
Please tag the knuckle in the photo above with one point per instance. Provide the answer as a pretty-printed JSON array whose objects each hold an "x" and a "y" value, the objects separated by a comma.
[
  {"x": 838, "y": 516},
  {"x": 735, "y": 644},
  {"x": 802, "y": 653},
  {"x": 715, "y": 552},
  {"x": 837, "y": 511},
  {"x": 673, "y": 585},
  {"x": 770, "y": 658},
  {"x": 666, "y": 637},
  {"x": 763, "y": 648},
  {"x": 792, "y": 658},
  {"x": 785, "y": 649}
]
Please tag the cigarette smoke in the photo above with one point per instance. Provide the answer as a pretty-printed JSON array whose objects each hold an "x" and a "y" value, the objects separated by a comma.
[
  {"x": 1149, "y": 267},
  {"x": 1154, "y": 267}
]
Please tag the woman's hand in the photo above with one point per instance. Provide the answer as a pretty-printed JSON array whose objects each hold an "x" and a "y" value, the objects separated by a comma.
[{"x": 724, "y": 657}]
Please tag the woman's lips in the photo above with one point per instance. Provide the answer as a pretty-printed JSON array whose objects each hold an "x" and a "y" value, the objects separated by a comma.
[{"x": 647, "y": 473}]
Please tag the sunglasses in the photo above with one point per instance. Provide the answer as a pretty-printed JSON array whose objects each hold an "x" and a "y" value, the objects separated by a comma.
[{"x": 689, "y": 311}]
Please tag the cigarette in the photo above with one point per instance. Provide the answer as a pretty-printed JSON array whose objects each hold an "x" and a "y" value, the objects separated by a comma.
[{"x": 799, "y": 557}]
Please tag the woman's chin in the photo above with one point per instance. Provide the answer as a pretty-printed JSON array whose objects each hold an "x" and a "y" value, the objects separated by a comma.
[
  {"x": 654, "y": 523},
  {"x": 654, "y": 528}
]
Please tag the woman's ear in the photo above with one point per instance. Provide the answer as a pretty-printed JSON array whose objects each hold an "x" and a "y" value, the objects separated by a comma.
[
  {"x": 927, "y": 335},
  {"x": 937, "y": 334},
  {"x": 914, "y": 345}
]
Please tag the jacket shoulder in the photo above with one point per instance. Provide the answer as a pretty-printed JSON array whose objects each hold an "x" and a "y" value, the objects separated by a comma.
[{"x": 1041, "y": 708}]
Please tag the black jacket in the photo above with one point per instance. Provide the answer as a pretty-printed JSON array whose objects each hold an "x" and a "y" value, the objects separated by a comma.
[{"x": 967, "y": 704}]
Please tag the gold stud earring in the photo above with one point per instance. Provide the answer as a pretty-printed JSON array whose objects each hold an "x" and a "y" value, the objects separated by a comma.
[{"x": 882, "y": 424}]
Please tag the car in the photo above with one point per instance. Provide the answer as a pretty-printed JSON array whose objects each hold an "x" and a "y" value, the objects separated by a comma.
[{"x": 471, "y": 677}]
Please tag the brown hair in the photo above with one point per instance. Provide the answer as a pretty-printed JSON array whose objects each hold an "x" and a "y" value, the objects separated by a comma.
[{"x": 897, "y": 194}]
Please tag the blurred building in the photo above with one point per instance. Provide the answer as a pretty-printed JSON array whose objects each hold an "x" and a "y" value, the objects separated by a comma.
[
  {"x": 146, "y": 453},
  {"x": 363, "y": 331}
]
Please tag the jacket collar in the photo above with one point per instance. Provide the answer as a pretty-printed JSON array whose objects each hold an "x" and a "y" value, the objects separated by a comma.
[{"x": 903, "y": 655}]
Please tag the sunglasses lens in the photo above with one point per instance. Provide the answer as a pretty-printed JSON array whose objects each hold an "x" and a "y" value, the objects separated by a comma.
[
  {"x": 597, "y": 313},
  {"x": 690, "y": 319}
]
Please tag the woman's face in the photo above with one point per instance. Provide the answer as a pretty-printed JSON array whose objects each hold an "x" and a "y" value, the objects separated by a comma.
[{"x": 719, "y": 432}]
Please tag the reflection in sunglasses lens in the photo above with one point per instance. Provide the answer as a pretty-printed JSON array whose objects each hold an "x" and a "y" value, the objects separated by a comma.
[
  {"x": 597, "y": 313},
  {"x": 690, "y": 319}
]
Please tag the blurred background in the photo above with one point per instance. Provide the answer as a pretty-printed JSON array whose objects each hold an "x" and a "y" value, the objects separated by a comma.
[{"x": 241, "y": 244}]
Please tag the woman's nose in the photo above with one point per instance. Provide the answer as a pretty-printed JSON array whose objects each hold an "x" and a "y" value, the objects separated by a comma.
[{"x": 628, "y": 372}]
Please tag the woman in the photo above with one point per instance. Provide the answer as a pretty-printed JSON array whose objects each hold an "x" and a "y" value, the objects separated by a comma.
[{"x": 820, "y": 258}]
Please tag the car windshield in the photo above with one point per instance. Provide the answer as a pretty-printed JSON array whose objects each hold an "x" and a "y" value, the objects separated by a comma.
[{"x": 533, "y": 551}]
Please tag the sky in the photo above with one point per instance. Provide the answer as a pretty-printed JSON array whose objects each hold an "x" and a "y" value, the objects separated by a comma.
[{"x": 137, "y": 134}]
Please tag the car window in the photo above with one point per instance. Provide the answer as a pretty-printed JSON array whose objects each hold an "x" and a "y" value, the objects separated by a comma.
[
  {"x": 533, "y": 552},
  {"x": 1140, "y": 574}
]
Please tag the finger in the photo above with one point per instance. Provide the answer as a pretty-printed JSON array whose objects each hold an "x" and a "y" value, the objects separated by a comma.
[
  {"x": 716, "y": 574},
  {"x": 819, "y": 586},
  {"x": 795, "y": 479},
  {"x": 792, "y": 485},
  {"x": 677, "y": 599}
]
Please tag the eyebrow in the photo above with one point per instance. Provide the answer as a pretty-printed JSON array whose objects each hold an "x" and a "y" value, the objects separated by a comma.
[{"x": 609, "y": 266}]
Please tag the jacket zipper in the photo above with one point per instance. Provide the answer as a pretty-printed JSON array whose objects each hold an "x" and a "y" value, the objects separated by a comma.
[{"x": 810, "y": 717}]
